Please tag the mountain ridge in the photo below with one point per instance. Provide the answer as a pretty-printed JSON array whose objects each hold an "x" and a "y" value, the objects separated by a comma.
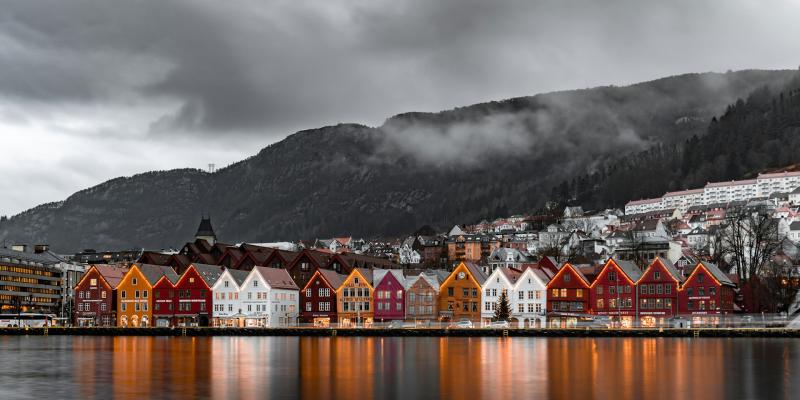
[{"x": 416, "y": 168}]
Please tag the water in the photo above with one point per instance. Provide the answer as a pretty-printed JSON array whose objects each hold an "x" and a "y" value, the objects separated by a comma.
[{"x": 409, "y": 368}]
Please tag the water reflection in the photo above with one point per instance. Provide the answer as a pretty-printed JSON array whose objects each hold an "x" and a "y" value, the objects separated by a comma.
[{"x": 362, "y": 368}]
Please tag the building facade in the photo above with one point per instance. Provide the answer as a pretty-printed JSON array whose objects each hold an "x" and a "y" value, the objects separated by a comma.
[
  {"x": 390, "y": 294},
  {"x": 460, "y": 293},
  {"x": 318, "y": 298},
  {"x": 95, "y": 303},
  {"x": 355, "y": 298}
]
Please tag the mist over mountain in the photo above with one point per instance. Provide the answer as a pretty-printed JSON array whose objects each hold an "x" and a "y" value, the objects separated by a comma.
[{"x": 455, "y": 166}]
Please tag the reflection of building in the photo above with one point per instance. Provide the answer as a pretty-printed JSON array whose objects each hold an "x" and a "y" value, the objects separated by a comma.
[{"x": 32, "y": 282}]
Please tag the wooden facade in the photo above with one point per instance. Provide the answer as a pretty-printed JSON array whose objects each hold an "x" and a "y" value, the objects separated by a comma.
[
  {"x": 355, "y": 298},
  {"x": 390, "y": 294},
  {"x": 460, "y": 293},
  {"x": 95, "y": 302},
  {"x": 658, "y": 289},
  {"x": 318, "y": 303},
  {"x": 567, "y": 293},
  {"x": 706, "y": 294},
  {"x": 613, "y": 291},
  {"x": 134, "y": 302}
]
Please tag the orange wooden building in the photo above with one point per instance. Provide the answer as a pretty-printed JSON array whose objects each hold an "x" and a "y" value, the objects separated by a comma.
[
  {"x": 134, "y": 300},
  {"x": 460, "y": 293}
]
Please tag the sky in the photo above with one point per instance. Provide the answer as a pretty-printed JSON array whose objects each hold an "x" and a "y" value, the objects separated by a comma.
[{"x": 91, "y": 90}]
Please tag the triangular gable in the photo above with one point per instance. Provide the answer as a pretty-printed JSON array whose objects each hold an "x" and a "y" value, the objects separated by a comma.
[
  {"x": 529, "y": 272},
  {"x": 607, "y": 266},
  {"x": 567, "y": 268},
  {"x": 665, "y": 265},
  {"x": 356, "y": 272}
]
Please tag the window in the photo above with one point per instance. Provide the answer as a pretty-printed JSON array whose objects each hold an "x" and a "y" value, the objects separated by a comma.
[
  {"x": 255, "y": 283},
  {"x": 657, "y": 275},
  {"x": 308, "y": 292},
  {"x": 124, "y": 308},
  {"x": 494, "y": 293},
  {"x": 225, "y": 283},
  {"x": 612, "y": 276},
  {"x": 103, "y": 306},
  {"x": 355, "y": 280},
  {"x": 700, "y": 278},
  {"x": 326, "y": 306},
  {"x": 554, "y": 293},
  {"x": 643, "y": 289},
  {"x": 668, "y": 289},
  {"x": 659, "y": 288},
  {"x": 531, "y": 307},
  {"x": 600, "y": 303},
  {"x": 612, "y": 290},
  {"x": 563, "y": 292},
  {"x": 191, "y": 279},
  {"x": 579, "y": 292},
  {"x": 450, "y": 291},
  {"x": 689, "y": 292},
  {"x": 93, "y": 282},
  {"x": 701, "y": 291},
  {"x": 474, "y": 292},
  {"x": 521, "y": 295},
  {"x": 600, "y": 289},
  {"x": 136, "y": 294},
  {"x": 144, "y": 294},
  {"x": 567, "y": 277},
  {"x": 465, "y": 292},
  {"x": 520, "y": 307},
  {"x": 136, "y": 306},
  {"x": 711, "y": 291},
  {"x": 487, "y": 306},
  {"x": 134, "y": 281}
]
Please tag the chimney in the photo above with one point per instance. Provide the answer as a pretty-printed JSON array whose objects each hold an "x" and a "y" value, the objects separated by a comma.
[
  {"x": 41, "y": 248},
  {"x": 19, "y": 247}
]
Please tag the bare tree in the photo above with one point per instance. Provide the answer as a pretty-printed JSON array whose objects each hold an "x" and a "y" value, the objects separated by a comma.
[{"x": 749, "y": 240}]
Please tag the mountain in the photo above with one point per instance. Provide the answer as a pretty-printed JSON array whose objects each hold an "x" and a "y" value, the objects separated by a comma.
[{"x": 454, "y": 166}]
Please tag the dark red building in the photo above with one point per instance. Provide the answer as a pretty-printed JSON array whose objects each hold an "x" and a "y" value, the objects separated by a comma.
[
  {"x": 318, "y": 298},
  {"x": 613, "y": 291},
  {"x": 95, "y": 296},
  {"x": 658, "y": 290},
  {"x": 187, "y": 302},
  {"x": 567, "y": 296},
  {"x": 304, "y": 265},
  {"x": 707, "y": 295}
]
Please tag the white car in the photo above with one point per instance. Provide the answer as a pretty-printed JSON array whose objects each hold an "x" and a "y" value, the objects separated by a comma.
[
  {"x": 498, "y": 325},
  {"x": 464, "y": 324}
]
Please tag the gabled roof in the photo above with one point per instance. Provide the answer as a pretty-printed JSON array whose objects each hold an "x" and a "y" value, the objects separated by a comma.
[
  {"x": 511, "y": 274},
  {"x": 366, "y": 273},
  {"x": 629, "y": 268},
  {"x": 715, "y": 271},
  {"x": 334, "y": 279},
  {"x": 205, "y": 258},
  {"x": 111, "y": 273},
  {"x": 577, "y": 271},
  {"x": 209, "y": 273},
  {"x": 456, "y": 231},
  {"x": 154, "y": 272},
  {"x": 476, "y": 271},
  {"x": 667, "y": 265},
  {"x": 378, "y": 275},
  {"x": 277, "y": 278},
  {"x": 238, "y": 276}
]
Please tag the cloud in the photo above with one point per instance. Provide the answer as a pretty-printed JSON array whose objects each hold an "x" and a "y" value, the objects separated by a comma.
[{"x": 238, "y": 75}]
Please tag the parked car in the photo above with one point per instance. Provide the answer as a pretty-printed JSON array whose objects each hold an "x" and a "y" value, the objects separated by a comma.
[
  {"x": 463, "y": 324},
  {"x": 498, "y": 325},
  {"x": 395, "y": 325}
]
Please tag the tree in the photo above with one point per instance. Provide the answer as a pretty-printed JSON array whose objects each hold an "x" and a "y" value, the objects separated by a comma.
[
  {"x": 503, "y": 310},
  {"x": 749, "y": 240}
]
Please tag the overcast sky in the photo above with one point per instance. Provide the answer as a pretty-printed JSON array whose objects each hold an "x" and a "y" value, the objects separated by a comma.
[{"x": 91, "y": 90}]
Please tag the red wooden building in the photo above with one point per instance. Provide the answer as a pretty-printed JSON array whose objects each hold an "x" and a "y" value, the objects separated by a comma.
[
  {"x": 567, "y": 296},
  {"x": 658, "y": 289},
  {"x": 95, "y": 298},
  {"x": 318, "y": 298},
  {"x": 707, "y": 295},
  {"x": 187, "y": 302},
  {"x": 613, "y": 291},
  {"x": 390, "y": 294},
  {"x": 304, "y": 265}
]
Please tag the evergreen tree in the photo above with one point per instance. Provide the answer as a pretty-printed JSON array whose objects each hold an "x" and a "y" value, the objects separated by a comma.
[{"x": 503, "y": 310}]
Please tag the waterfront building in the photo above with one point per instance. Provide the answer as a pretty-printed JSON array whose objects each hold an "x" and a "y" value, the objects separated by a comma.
[
  {"x": 390, "y": 294},
  {"x": 269, "y": 298},
  {"x": 318, "y": 298},
  {"x": 613, "y": 291},
  {"x": 422, "y": 292},
  {"x": 460, "y": 293},
  {"x": 567, "y": 297},
  {"x": 226, "y": 305},
  {"x": 707, "y": 295},
  {"x": 502, "y": 280},
  {"x": 193, "y": 295},
  {"x": 95, "y": 296},
  {"x": 304, "y": 265},
  {"x": 529, "y": 297},
  {"x": 29, "y": 282},
  {"x": 658, "y": 289},
  {"x": 164, "y": 302},
  {"x": 134, "y": 303},
  {"x": 470, "y": 247},
  {"x": 355, "y": 297}
]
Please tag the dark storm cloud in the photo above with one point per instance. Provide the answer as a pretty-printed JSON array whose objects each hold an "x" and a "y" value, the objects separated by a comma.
[{"x": 169, "y": 71}]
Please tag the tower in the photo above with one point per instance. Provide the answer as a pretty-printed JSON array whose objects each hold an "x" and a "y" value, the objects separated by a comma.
[{"x": 205, "y": 231}]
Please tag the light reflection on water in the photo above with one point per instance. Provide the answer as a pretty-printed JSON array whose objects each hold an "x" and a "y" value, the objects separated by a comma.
[{"x": 359, "y": 368}]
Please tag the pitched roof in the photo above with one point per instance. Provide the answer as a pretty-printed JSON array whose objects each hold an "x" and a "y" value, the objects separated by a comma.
[
  {"x": 379, "y": 274},
  {"x": 111, "y": 273},
  {"x": 209, "y": 273},
  {"x": 670, "y": 268},
  {"x": 154, "y": 272},
  {"x": 476, "y": 271},
  {"x": 334, "y": 279},
  {"x": 367, "y": 274},
  {"x": 718, "y": 274},
  {"x": 630, "y": 268},
  {"x": 511, "y": 274},
  {"x": 277, "y": 278},
  {"x": 238, "y": 276}
]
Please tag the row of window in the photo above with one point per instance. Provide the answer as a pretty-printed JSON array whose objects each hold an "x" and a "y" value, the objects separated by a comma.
[
  {"x": 323, "y": 306},
  {"x": 614, "y": 289},
  {"x": 465, "y": 306},
  {"x": 655, "y": 288},
  {"x": 421, "y": 310},
  {"x": 613, "y": 303},
  {"x": 655, "y": 304},
  {"x": 85, "y": 294},
  {"x": 88, "y": 307},
  {"x": 566, "y": 306},
  {"x": 701, "y": 305},
  {"x": 388, "y": 306},
  {"x": 355, "y": 306},
  {"x": 386, "y": 294},
  {"x": 465, "y": 292},
  {"x": 555, "y": 293},
  {"x": 136, "y": 294},
  {"x": 321, "y": 292},
  {"x": 701, "y": 291},
  {"x": 355, "y": 292},
  {"x": 137, "y": 306}
]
